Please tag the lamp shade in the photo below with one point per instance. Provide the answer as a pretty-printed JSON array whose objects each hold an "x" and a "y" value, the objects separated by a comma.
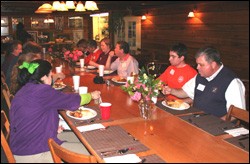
[{"x": 191, "y": 14}]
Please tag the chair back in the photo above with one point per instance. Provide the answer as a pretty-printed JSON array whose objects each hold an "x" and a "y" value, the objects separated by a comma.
[
  {"x": 5, "y": 133},
  {"x": 238, "y": 113},
  {"x": 7, "y": 96},
  {"x": 60, "y": 154}
]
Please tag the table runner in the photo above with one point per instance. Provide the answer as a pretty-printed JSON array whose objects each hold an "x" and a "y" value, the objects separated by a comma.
[
  {"x": 240, "y": 141},
  {"x": 209, "y": 123},
  {"x": 113, "y": 138},
  {"x": 176, "y": 112}
]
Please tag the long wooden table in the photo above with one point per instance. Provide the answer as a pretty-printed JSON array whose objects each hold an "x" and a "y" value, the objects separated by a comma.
[{"x": 167, "y": 136}]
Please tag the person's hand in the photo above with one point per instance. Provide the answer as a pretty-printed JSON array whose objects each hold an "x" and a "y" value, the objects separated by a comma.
[
  {"x": 111, "y": 54},
  {"x": 58, "y": 76},
  {"x": 95, "y": 95},
  {"x": 166, "y": 90}
]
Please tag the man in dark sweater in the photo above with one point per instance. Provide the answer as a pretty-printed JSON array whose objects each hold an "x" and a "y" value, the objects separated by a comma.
[{"x": 214, "y": 88}]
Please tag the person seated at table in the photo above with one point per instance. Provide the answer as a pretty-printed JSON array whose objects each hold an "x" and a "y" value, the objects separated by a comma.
[
  {"x": 214, "y": 88},
  {"x": 14, "y": 50},
  {"x": 106, "y": 48},
  {"x": 31, "y": 51},
  {"x": 34, "y": 114},
  {"x": 94, "y": 52},
  {"x": 125, "y": 64},
  {"x": 179, "y": 72},
  {"x": 81, "y": 45}
]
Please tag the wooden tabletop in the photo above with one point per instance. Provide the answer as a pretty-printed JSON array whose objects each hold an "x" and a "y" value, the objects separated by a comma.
[{"x": 168, "y": 136}]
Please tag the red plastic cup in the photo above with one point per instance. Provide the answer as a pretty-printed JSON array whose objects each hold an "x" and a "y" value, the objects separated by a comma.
[{"x": 105, "y": 110}]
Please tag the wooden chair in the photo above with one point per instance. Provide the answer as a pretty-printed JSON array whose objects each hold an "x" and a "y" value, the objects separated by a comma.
[
  {"x": 60, "y": 154},
  {"x": 5, "y": 133},
  {"x": 7, "y": 96},
  {"x": 238, "y": 113}
]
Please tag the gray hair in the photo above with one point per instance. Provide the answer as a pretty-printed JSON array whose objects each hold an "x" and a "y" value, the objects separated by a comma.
[{"x": 211, "y": 54}]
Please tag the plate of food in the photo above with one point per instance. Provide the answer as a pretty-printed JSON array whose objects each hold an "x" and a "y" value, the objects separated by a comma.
[
  {"x": 175, "y": 104},
  {"x": 58, "y": 85},
  {"x": 119, "y": 80},
  {"x": 106, "y": 72},
  {"x": 90, "y": 67},
  {"x": 82, "y": 113}
]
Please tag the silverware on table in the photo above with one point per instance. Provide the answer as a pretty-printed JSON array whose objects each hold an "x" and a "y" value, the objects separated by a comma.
[{"x": 113, "y": 152}]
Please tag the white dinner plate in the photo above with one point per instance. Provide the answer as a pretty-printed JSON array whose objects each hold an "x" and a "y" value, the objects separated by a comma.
[
  {"x": 93, "y": 114},
  {"x": 91, "y": 67},
  {"x": 184, "y": 106},
  {"x": 62, "y": 86},
  {"x": 120, "y": 82},
  {"x": 106, "y": 72}
]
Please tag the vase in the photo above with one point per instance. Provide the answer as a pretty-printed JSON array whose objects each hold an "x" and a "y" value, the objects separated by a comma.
[
  {"x": 145, "y": 107},
  {"x": 71, "y": 69}
]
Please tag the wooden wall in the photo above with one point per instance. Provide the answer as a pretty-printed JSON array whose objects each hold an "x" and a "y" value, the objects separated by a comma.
[{"x": 222, "y": 24}]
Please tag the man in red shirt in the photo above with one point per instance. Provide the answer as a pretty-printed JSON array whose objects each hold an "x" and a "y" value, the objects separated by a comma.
[{"x": 178, "y": 73}]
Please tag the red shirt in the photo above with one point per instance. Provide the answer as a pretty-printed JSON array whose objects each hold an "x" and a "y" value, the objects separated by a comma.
[
  {"x": 177, "y": 77},
  {"x": 93, "y": 56}
]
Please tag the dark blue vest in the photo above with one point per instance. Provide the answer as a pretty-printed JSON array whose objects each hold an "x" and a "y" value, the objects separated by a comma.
[{"x": 212, "y": 98}]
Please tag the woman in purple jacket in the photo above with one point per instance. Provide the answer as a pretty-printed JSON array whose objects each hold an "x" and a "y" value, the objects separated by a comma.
[{"x": 34, "y": 114}]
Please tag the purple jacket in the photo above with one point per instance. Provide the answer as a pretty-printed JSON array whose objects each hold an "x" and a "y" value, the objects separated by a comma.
[{"x": 34, "y": 117}]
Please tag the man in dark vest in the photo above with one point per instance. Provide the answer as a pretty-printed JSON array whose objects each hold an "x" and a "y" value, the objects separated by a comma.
[{"x": 214, "y": 88}]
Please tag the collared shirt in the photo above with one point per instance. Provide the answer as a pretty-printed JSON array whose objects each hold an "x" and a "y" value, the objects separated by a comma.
[
  {"x": 126, "y": 66},
  {"x": 235, "y": 93}
]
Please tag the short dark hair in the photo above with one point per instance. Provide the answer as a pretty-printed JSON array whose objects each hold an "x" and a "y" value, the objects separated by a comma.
[
  {"x": 92, "y": 43},
  {"x": 211, "y": 54},
  {"x": 180, "y": 49},
  {"x": 124, "y": 45},
  {"x": 82, "y": 43}
]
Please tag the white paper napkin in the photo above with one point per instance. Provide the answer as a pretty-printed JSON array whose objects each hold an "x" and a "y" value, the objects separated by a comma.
[
  {"x": 63, "y": 123},
  {"x": 238, "y": 131},
  {"x": 90, "y": 127},
  {"x": 128, "y": 158}
]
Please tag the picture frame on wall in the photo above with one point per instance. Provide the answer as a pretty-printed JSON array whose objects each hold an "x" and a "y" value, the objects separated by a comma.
[
  {"x": 75, "y": 22},
  {"x": 59, "y": 23},
  {"x": 38, "y": 23},
  {"x": 15, "y": 21},
  {"x": 34, "y": 35},
  {"x": 77, "y": 35}
]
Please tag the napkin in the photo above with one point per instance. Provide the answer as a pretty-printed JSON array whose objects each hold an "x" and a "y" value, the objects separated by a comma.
[
  {"x": 238, "y": 131},
  {"x": 90, "y": 127},
  {"x": 63, "y": 123},
  {"x": 128, "y": 158}
]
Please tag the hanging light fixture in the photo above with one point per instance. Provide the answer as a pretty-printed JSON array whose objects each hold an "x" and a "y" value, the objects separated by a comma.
[
  {"x": 57, "y": 6},
  {"x": 80, "y": 7},
  {"x": 45, "y": 8},
  {"x": 70, "y": 4},
  {"x": 91, "y": 5}
]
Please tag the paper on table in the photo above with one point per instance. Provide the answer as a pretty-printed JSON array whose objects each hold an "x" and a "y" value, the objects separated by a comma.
[
  {"x": 128, "y": 158},
  {"x": 90, "y": 127},
  {"x": 237, "y": 132},
  {"x": 63, "y": 123}
]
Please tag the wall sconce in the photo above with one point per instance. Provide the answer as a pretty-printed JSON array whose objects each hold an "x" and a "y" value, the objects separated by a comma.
[
  {"x": 191, "y": 13},
  {"x": 144, "y": 17}
]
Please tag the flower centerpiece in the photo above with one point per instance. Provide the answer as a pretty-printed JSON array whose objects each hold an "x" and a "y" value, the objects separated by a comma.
[
  {"x": 143, "y": 89},
  {"x": 72, "y": 58}
]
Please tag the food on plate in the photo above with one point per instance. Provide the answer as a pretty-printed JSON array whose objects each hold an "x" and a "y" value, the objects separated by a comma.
[
  {"x": 81, "y": 113},
  {"x": 175, "y": 103},
  {"x": 120, "y": 79},
  {"x": 58, "y": 84}
]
